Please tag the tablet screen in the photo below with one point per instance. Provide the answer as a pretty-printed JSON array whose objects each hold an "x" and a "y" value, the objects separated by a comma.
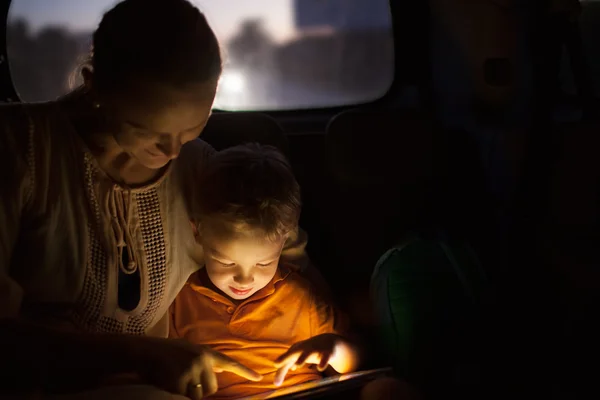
[{"x": 334, "y": 382}]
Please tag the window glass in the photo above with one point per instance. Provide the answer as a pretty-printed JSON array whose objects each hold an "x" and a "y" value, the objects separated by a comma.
[{"x": 279, "y": 54}]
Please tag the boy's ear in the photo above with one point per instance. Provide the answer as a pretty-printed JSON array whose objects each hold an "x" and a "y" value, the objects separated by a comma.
[{"x": 194, "y": 226}]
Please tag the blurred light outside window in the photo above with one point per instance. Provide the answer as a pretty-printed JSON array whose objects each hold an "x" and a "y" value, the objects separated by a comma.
[{"x": 279, "y": 54}]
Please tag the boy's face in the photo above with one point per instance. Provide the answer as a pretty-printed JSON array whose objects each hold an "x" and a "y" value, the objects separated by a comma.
[{"x": 240, "y": 264}]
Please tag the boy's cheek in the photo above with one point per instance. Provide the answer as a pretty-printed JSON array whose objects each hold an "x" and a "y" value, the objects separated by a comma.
[{"x": 215, "y": 273}]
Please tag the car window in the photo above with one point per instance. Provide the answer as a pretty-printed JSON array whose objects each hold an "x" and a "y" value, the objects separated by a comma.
[{"x": 279, "y": 54}]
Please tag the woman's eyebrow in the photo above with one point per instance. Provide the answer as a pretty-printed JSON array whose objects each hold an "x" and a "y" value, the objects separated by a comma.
[
  {"x": 140, "y": 126},
  {"x": 193, "y": 128}
]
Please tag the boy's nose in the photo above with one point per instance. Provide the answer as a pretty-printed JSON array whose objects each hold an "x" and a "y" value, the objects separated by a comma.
[{"x": 244, "y": 279}]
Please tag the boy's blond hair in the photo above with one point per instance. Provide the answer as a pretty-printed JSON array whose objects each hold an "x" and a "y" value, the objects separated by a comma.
[{"x": 249, "y": 187}]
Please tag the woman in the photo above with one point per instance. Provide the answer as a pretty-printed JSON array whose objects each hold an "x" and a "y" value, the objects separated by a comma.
[{"x": 95, "y": 241}]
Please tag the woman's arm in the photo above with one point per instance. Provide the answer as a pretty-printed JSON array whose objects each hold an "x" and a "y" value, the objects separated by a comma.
[
  {"x": 36, "y": 357},
  {"x": 15, "y": 195}
]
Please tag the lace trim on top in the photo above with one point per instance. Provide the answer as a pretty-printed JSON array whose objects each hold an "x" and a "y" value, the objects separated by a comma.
[{"x": 117, "y": 204}]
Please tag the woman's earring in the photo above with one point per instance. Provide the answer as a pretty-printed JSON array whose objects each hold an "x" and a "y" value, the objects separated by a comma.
[{"x": 96, "y": 105}]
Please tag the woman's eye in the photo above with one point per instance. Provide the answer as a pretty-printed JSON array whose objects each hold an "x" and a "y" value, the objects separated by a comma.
[{"x": 144, "y": 133}]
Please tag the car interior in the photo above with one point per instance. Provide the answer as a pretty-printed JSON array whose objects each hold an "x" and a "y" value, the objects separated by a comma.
[{"x": 447, "y": 152}]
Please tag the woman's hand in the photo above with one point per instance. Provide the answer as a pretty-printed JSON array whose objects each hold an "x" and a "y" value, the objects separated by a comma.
[
  {"x": 35, "y": 357},
  {"x": 182, "y": 368},
  {"x": 323, "y": 350}
]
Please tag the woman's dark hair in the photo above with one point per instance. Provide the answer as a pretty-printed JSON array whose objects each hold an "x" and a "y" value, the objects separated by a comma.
[{"x": 164, "y": 41}]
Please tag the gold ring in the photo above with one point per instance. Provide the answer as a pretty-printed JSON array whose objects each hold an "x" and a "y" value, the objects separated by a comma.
[{"x": 198, "y": 385}]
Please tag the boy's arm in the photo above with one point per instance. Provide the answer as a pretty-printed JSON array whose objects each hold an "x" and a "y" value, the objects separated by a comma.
[
  {"x": 327, "y": 345},
  {"x": 345, "y": 357},
  {"x": 326, "y": 320}
]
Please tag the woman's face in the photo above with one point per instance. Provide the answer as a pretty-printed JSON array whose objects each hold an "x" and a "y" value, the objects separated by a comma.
[{"x": 151, "y": 122}]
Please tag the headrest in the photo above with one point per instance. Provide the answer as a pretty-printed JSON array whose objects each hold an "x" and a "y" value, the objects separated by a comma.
[
  {"x": 227, "y": 129},
  {"x": 366, "y": 147},
  {"x": 576, "y": 175}
]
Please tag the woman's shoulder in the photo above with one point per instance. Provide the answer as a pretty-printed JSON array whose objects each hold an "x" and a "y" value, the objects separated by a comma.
[
  {"x": 17, "y": 121},
  {"x": 11, "y": 112},
  {"x": 37, "y": 136},
  {"x": 13, "y": 118},
  {"x": 33, "y": 121}
]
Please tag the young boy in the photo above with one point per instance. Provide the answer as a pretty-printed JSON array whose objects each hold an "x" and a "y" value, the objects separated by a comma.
[{"x": 245, "y": 303}]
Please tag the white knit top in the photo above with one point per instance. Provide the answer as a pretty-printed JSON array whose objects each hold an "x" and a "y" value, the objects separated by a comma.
[{"x": 64, "y": 226}]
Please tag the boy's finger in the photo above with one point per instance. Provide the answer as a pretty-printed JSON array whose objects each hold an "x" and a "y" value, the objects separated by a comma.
[
  {"x": 286, "y": 358},
  {"x": 302, "y": 359},
  {"x": 280, "y": 374},
  {"x": 324, "y": 362}
]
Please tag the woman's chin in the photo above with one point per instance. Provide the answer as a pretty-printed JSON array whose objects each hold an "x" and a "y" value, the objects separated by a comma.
[{"x": 153, "y": 161}]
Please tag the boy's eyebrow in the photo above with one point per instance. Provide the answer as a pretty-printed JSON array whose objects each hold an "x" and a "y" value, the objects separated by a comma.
[
  {"x": 221, "y": 255},
  {"x": 273, "y": 256},
  {"x": 217, "y": 253}
]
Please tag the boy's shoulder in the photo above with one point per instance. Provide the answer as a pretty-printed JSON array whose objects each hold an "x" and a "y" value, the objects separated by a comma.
[{"x": 293, "y": 282}]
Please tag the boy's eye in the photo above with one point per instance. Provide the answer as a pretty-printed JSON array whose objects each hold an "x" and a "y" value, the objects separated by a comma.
[
  {"x": 227, "y": 264},
  {"x": 265, "y": 265}
]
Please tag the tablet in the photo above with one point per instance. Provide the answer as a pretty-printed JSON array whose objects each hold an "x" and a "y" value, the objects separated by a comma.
[{"x": 322, "y": 386}]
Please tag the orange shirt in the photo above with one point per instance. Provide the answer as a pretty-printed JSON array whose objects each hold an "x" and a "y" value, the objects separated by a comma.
[{"x": 256, "y": 331}]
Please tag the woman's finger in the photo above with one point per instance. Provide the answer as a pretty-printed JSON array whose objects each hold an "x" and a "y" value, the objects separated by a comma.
[
  {"x": 209, "y": 381},
  {"x": 180, "y": 385},
  {"x": 193, "y": 381},
  {"x": 195, "y": 390},
  {"x": 221, "y": 362}
]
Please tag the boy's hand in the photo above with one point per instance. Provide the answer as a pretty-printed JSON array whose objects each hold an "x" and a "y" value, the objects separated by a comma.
[{"x": 322, "y": 350}]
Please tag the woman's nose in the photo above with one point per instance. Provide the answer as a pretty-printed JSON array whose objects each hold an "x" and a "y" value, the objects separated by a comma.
[{"x": 171, "y": 147}]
